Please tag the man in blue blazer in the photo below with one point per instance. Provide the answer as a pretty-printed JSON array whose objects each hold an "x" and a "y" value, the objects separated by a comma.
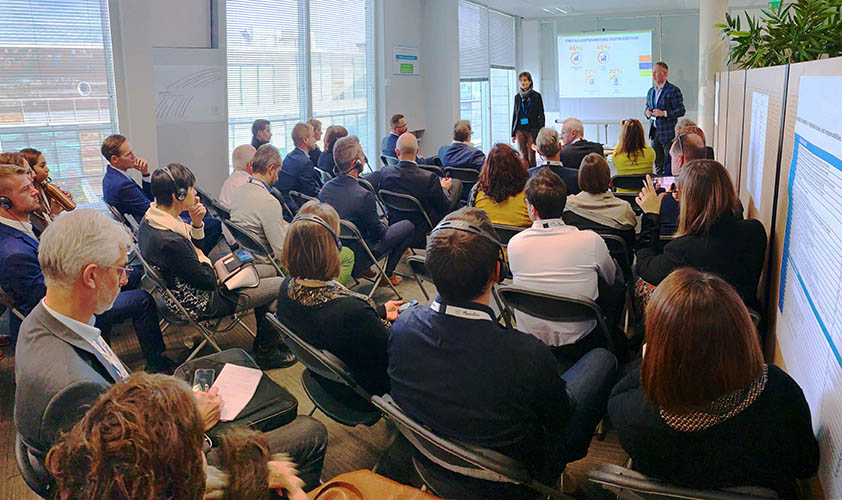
[
  {"x": 297, "y": 170},
  {"x": 122, "y": 192},
  {"x": 461, "y": 153},
  {"x": 389, "y": 144},
  {"x": 547, "y": 145},
  {"x": 21, "y": 278},
  {"x": 664, "y": 106}
]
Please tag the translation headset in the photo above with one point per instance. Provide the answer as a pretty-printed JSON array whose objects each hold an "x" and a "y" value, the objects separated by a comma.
[
  {"x": 461, "y": 225},
  {"x": 318, "y": 220},
  {"x": 180, "y": 191},
  {"x": 6, "y": 202},
  {"x": 356, "y": 165}
]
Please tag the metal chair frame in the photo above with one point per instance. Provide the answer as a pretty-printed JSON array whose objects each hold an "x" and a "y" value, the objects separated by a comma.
[
  {"x": 612, "y": 240},
  {"x": 348, "y": 231},
  {"x": 6, "y": 303},
  {"x": 388, "y": 160},
  {"x": 301, "y": 198},
  {"x": 220, "y": 211},
  {"x": 248, "y": 240},
  {"x": 32, "y": 470},
  {"x": 432, "y": 168},
  {"x": 391, "y": 205}
]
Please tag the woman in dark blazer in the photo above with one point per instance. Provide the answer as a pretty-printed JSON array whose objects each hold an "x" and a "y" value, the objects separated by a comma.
[
  {"x": 326, "y": 314},
  {"x": 711, "y": 235},
  {"x": 332, "y": 134},
  {"x": 528, "y": 117},
  {"x": 703, "y": 410}
]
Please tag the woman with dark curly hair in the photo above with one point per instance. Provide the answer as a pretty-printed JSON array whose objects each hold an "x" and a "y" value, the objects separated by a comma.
[{"x": 499, "y": 189}]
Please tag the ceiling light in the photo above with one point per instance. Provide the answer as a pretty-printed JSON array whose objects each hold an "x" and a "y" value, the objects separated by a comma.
[
  {"x": 561, "y": 10},
  {"x": 548, "y": 11}
]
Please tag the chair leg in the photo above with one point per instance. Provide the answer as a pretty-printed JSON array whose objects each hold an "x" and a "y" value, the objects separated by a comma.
[
  {"x": 382, "y": 273},
  {"x": 163, "y": 325},
  {"x": 254, "y": 335},
  {"x": 392, "y": 439},
  {"x": 312, "y": 411},
  {"x": 421, "y": 286},
  {"x": 198, "y": 348}
]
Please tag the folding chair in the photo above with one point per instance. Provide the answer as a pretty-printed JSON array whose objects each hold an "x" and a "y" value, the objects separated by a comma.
[
  {"x": 558, "y": 308},
  {"x": 468, "y": 176},
  {"x": 388, "y": 160},
  {"x": 329, "y": 384},
  {"x": 6, "y": 303},
  {"x": 632, "y": 182},
  {"x": 127, "y": 220},
  {"x": 381, "y": 208},
  {"x": 463, "y": 459},
  {"x": 632, "y": 485},
  {"x": 31, "y": 466},
  {"x": 506, "y": 233},
  {"x": 619, "y": 250},
  {"x": 348, "y": 232},
  {"x": 405, "y": 204},
  {"x": 245, "y": 238},
  {"x": 218, "y": 209},
  {"x": 160, "y": 290},
  {"x": 300, "y": 198},
  {"x": 432, "y": 168}
]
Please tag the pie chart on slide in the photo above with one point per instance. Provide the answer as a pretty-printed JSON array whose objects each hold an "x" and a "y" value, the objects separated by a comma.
[
  {"x": 590, "y": 81},
  {"x": 615, "y": 81},
  {"x": 602, "y": 57},
  {"x": 576, "y": 58}
]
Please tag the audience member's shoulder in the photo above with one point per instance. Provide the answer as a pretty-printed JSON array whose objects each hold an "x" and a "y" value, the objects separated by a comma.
[{"x": 781, "y": 381}]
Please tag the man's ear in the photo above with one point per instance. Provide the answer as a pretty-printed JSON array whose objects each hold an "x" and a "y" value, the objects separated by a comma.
[{"x": 88, "y": 278}]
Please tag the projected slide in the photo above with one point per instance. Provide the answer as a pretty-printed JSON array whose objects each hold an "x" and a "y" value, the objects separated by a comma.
[{"x": 605, "y": 65}]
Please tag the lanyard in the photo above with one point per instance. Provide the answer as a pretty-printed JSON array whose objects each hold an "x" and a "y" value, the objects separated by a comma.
[
  {"x": 525, "y": 108},
  {"x": 109, "y": 356},
  {"x": 253, "y": 180},
  {"x": 459, "y": 312},
  {"x": 546, "y": 224}
]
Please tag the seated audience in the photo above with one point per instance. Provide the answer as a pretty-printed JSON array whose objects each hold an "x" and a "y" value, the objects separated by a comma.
[
  {"x": 703, "y": 410},
  {"x": 556, "y": 258},
  {"x": 437, "y": 196},
  {"x": 332, "y": 134},
  {"x": 685, "y": 148},
  {"x": 241, "y": 158},
  {"x": 711, "y": 236},
  {"x": 317, "y": 136},
  {"x": 692, "y": 128},
  {"x": 461, "y": 153},
  {"x": 499, "y": 190},
  {"x": 297, "y": 172},
  {"x": 172, "y": 246},
  {"x": 632, "y": 155},
  {"x": 123, "y": 449},
  {"x": 261, "y": 133},
  {"x": 575, "y": 146},
  {"x": 389, "y": 144},
  {"x": 596, "y": 208},
  {"x": 325, "y": 313},
  {"x": 357, "y": 205},
  {"x": 41, "y": 175},
  {"x": 256, "y": 209},
  {"x": 122, "y": 192},
  {"x": 457, "y": 371},
  {"x": 547, "y": 145},
  {"x": 23, "y": 281}
]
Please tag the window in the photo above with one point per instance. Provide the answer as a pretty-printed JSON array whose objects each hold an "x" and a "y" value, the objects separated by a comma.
[
  {"x": 487, "y": 72},
  {"x": 270, "y": 59},
  {"x": 57, "y": 88}
]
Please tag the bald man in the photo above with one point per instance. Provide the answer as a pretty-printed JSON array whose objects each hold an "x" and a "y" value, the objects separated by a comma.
[
  {"x": 684, "y": 149},
  {"x": 437, "y": 196},
  {"x": 241, "y": 158}
]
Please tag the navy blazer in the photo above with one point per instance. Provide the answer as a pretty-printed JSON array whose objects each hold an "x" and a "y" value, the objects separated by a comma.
[
  {"x": 572, "y": 154},
  {"x": 356, "y": 204},
  {"x": 390, "y": 142},
  {"x": 463, "y": 155},
  {"x": 670, "y": 101},
  {"x": 124, "y": 194},
  {"x": 326, "y": 162},
  {"x": 408, "y": 178},
  {"x": 568, "y": 175},
  {"x": 297, "y": 174},
  {"x": 21, "y": 276}
]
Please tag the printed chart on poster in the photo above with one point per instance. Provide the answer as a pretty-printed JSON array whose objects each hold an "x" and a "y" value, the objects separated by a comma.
[
  {"x": 757, "y": 145},
  {"x": 809, "y": 324},
  {"x": 605, "y": 65}
]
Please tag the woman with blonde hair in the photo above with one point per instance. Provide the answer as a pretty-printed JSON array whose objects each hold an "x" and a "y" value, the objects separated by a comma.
[
  {"x": 632, "y": 155},
  {"x": 711, "y": 234},
  {"x": 704, "y": 410}
]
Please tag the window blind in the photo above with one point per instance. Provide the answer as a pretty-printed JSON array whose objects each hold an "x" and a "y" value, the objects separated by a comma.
[
  {"x": 57, "y": 88},
  {"x": 502, "y": 44},
  {"x": 473, "y": 42}
]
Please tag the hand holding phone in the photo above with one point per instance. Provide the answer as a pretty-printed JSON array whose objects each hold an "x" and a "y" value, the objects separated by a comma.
[{"x": 203, "y": 379}]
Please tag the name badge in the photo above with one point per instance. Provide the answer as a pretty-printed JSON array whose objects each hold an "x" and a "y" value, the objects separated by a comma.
[{"x": 524, "y": 121}]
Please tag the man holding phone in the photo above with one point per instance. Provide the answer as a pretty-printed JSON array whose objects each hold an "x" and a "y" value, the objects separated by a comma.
[{"x": 664, "y": 106}]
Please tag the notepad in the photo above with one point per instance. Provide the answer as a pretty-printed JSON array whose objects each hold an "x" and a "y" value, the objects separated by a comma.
[{"x": 236, "y": 385}]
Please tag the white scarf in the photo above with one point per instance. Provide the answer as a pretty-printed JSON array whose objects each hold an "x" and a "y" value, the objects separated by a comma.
[
  {"x": 603, "y": 208},
  {"x": 158, "y": 219}
]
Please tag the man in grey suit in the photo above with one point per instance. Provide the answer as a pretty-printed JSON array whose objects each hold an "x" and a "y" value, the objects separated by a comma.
[{"x": 62, "y": 363}]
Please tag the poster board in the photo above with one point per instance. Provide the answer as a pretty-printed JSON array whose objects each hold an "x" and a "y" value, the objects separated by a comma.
[
  {"x": 806, "y": 249},
  {"x": 720, "y": 117},
  {"x": 734, "y": 125}
]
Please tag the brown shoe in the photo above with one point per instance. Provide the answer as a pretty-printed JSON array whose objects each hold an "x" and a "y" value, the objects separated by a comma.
[{"x": 394, "y": 279}]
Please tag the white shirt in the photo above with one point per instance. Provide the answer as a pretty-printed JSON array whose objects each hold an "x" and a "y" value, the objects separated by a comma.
[
  {"x": 234, "y": 181},
  {"x": 556, "y": 258},
  {"x": 22, "y": 226},
  {"x": 91, "y": 334}
]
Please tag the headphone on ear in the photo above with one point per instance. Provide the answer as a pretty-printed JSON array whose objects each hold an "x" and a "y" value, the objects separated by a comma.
[
  {"x": 180, "y": 191},
  {"x": 461, "y": 225},
  {"x": 6, "y": 202},
  {"x": 356, "y": 165},
  {"x": 318, "y": 220}
]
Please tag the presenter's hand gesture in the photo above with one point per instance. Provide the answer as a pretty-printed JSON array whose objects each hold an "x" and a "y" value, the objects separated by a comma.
[
  {"x": 648, "y": 199},
  {"x": 197, "y": 214},
  {"x": 648, "y": 113},
  {"x": 210, "y": 406}
]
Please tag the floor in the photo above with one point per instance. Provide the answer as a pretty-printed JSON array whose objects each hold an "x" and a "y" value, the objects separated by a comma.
[{"x": 348, "y": 449}]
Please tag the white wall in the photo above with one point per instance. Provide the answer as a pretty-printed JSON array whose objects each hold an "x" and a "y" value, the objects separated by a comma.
[{"x": 441, "y": 78}]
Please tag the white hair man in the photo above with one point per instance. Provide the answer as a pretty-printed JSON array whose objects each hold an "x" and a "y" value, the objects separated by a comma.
[
  {"x": 241, "y": 158},
  {"x": 575, "y": 147}
]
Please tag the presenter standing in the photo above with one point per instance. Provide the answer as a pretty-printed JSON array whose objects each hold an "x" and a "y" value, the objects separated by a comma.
[
  {"x": 528, "y": 117},
  {"x": 664, "y": 106}
]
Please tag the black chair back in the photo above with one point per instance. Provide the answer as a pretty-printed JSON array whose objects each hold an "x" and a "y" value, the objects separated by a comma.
[
  {"x": 467, "y": 460},
  {"x": 631, "y": 181},
  {"x": 467, "y": 176},
  {"x": 618, "y": 249},
  {"x": 324, "y": 176},
  {"x": 404, "y": 204},
  {"x": 125, "y": 219},
  {"x": 246, "y": 239},
  {"x": 300, "y": 198},
  {"x": 432, "y": 168},
  {"x": 318, "y": 361},
  {"x": 505, "y": 233},
  {"x": 217, "y": 209},
  {"x": 32, "y": 469},
  {"x": 388, "y": 160}
]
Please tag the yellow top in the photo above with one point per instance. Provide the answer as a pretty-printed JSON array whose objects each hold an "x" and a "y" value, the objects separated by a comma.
[
  {"x": 643, "y": 164},
  {"x": 511, "y": 212}
]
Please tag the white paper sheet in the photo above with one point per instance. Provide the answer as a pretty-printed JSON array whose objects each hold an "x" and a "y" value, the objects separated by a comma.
[{"x": 236, "y": 386}]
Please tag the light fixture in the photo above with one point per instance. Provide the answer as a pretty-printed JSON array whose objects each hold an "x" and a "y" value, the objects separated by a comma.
[
  {"x": 548, "y": 11},
  {"x": 561, "y": 10}
]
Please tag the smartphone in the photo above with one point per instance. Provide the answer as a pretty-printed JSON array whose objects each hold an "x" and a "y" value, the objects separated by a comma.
[
  {"x": 406, "y": 305},
  {"x": 244, "y": 255},
  {"x": 665, "y": 182},
  {"x": 203, "y": 379}
]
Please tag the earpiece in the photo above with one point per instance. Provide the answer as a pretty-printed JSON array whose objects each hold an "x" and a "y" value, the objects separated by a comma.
[
  {"x": 356, "y": 165},
  {"x": 461, "y": 225},
  {"x": 6, "y": 202},
  {"x": 180, "y": 191},
  {"x": 318, "y": 220}
]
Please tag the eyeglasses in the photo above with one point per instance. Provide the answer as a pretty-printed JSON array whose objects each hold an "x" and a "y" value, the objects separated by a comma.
[
  {"x": 680, "y": 143},
  {"x": 124, "y": 271}
]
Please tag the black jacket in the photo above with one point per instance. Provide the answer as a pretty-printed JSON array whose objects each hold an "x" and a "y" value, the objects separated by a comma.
[
  {"x": 572, "y": 154},
  {"x": 534, "y": 113},
  {"x": 408, "y": 178},
  {"x": 734, "y": 249},
  {"x": 356, "y": 204},
  {"x": 568, "y": 175}
]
